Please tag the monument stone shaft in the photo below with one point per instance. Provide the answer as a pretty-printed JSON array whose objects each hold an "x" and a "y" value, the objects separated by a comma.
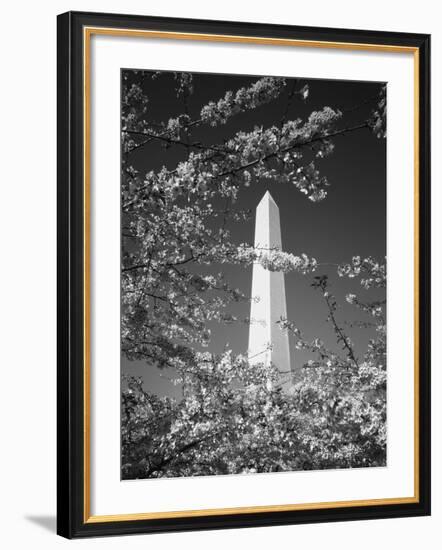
[{"x": 269, "y": 287}]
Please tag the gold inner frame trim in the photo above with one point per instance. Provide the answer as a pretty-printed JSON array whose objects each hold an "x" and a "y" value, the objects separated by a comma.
[{"x": 134, "y": 33}]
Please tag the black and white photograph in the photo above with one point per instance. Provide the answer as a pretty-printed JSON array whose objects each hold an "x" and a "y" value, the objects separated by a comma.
[
  {"x": 253, "y": 274},
  {"x": 219, "y": 235}
]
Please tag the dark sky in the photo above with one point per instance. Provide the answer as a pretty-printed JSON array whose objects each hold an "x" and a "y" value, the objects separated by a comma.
[{"x": 350, "y": 221}]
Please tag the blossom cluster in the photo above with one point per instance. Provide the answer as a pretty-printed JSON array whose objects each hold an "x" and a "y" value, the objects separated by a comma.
[
  {"x": 262, "y": 91},
  {"x": 378, "y": 118},
  {"x": 275, "y": 259},
  {"x": 374, "y": 273}
]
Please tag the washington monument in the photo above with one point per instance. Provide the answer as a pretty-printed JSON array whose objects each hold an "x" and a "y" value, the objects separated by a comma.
[{"x": 267, "y": 342}]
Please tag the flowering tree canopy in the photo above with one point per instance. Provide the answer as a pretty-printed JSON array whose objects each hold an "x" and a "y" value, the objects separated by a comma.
[{"x": 175, "y": 223}]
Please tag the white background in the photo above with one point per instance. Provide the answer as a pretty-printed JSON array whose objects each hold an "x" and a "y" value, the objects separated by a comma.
[{"x": 28, "y": 272}]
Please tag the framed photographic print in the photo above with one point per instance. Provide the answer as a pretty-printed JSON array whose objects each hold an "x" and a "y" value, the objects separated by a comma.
[{"x": 231, "y": 349}]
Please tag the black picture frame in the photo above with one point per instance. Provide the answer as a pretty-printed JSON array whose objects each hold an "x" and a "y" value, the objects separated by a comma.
[{"x": 72, "y": 518}]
